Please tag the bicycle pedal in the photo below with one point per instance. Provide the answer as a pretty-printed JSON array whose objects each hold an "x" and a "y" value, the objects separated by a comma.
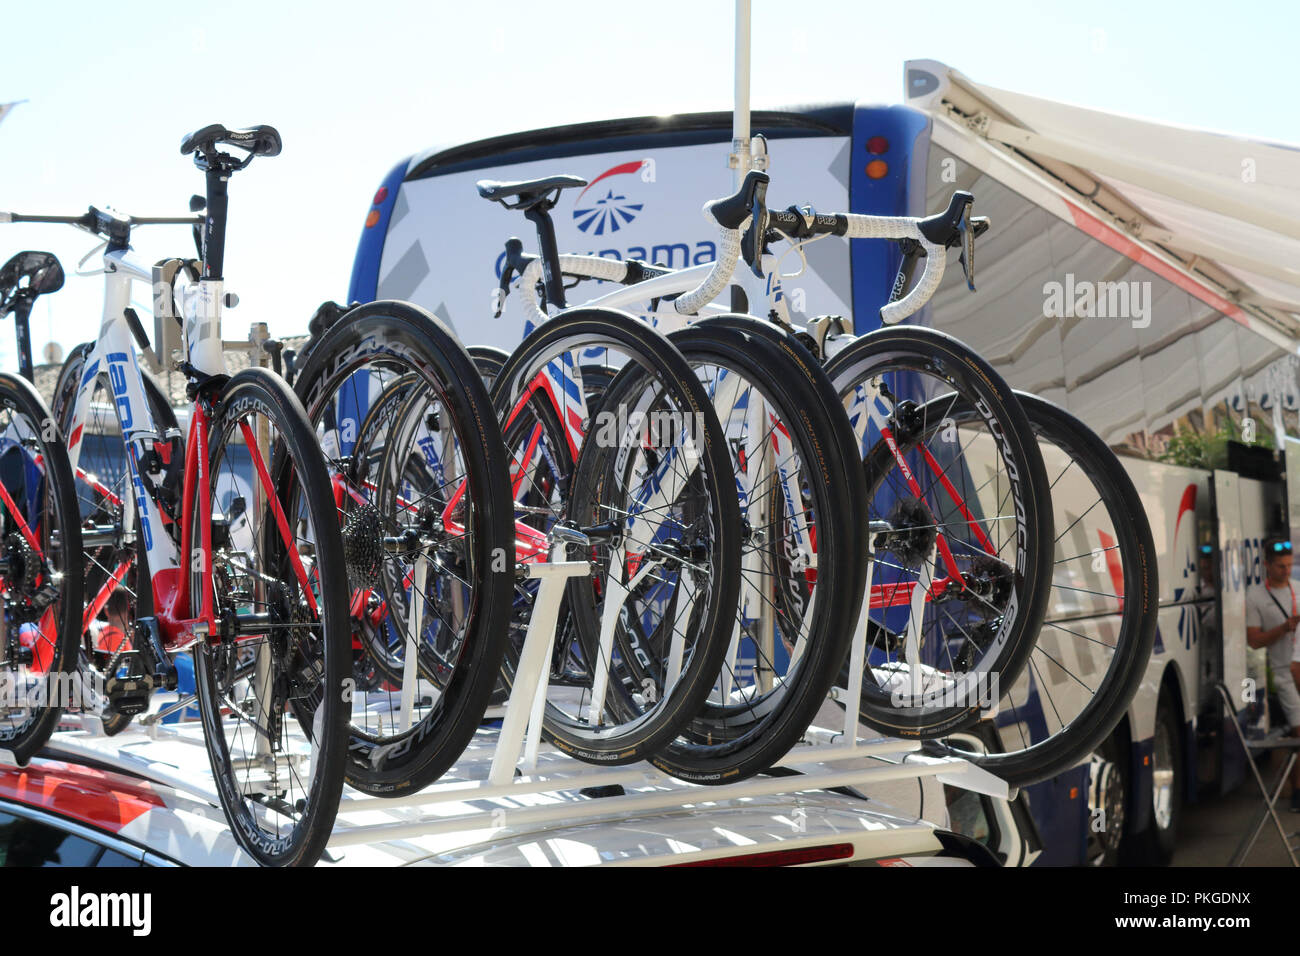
[
  {"x": 46, "y": 594},
  {"x": 157, "y": 665},
  {"x": 128, "y": 695}
]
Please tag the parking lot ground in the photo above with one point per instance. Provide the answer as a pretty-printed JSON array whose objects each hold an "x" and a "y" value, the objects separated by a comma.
[{"x": 1211, "y": 830}]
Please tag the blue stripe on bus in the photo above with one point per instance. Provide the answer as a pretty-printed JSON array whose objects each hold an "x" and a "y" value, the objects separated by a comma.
[
  {"x": 365, "y": 267},
  {"x": 900, "y": 192}
]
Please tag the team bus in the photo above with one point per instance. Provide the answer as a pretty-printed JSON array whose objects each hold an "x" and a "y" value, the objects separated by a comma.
[{"x": 1096, "y": 292}]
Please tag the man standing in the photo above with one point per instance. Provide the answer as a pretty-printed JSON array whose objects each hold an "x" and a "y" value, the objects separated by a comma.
[{"x": 1272, "y": 614}]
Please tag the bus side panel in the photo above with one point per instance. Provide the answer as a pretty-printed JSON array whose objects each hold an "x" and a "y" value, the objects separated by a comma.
[
  {"x": 1060, "y": 809},
  {"x": 446, "y": 250}
]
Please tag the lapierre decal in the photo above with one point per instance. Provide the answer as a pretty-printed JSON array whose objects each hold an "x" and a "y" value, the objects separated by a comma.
[
  {"x": 117, "y": 362},
  {"x": 117, "y": 377}
]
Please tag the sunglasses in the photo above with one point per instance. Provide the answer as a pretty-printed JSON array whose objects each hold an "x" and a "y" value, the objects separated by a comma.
[{"x": 1280, "y": 547}]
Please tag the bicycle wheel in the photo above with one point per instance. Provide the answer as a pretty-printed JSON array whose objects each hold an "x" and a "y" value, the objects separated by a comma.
[
  {"x": 803, "y": 572},
  {"x": 961, "y": 529},
  {"x": 40, "y": 573},
  {"x": 102, "y": 482},
  {"x": 489, "y": 361},
  {"x": 278, "y": 591},
  {"x": 380, "y": 645},
  {"x": 652, "y": 489},
  {"x": 420, "y": 479},
  {"x": 1096, "y": 640}
]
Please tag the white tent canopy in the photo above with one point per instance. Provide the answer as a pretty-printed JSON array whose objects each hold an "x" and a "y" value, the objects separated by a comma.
[{"x": 1225, "y": 205}]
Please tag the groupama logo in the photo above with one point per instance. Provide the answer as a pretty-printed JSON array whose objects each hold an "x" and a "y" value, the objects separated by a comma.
[{"x": 611, "y": 212}]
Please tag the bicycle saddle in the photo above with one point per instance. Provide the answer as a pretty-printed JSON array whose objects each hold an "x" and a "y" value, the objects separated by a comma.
[
  {"x": 41, "y": 270},
  {"x": 529, "y": 191},
  {"x": 258, "y": 140}
]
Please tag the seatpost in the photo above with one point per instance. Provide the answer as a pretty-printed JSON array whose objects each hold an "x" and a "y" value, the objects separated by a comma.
[
  {"x": 23, "y": 309},
  {"x": 214, "y": 246},
  {"x": 540, "y": 216}
]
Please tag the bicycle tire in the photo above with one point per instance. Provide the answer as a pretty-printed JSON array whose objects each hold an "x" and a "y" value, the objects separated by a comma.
[
  {"x": 164, "y": 417},
  {"x": 489, "y": 360},
  {"x": 728, "y": 742},
  {"x": 295, "y": 466},
  {"x": 390, "y": 766},
  {"x": 653, "y": 355},
  {"x": 917, "y": 351},
  {"x": 63, "y": 615},
  {"x": 1108, "y": 701}
]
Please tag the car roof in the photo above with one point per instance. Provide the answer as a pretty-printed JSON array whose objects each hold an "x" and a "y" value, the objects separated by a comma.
[
  {"x": 156, "y": 790},
  {"x": 151, "y": 815}
]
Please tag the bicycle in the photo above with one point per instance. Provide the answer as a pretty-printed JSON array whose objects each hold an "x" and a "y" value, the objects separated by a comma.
[
  {"x": 419, "y": 477},
  {"x": 1097, "y": 636},
  {"x": 691, "y": 290},
  {"x": 260, "y": 604},
  {"x": 40, "y": 538},
  {"x": 1077, "y": 719}
]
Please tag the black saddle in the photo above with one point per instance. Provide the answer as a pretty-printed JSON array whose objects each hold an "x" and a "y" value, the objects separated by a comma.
[
  {"x": 258, "y": 140},
  {"x": 28, "y": 274},
  {"x": 527, "y": 192}
]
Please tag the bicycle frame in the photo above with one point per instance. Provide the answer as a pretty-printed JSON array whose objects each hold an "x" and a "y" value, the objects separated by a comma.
[
  {"x": 863, "y": 410},
  {"x": 183, "y": 617}
]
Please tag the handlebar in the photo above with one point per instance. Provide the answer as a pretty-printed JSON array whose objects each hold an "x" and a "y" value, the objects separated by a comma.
[
  {"x": 107, "y": 225},
  {"x": 746, "y": 225},
  {"x": 929, "y": 237}
]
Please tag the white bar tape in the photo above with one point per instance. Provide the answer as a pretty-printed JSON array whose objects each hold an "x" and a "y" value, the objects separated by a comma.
[
  {"x": 902, "y": 227},
  {"x": 592, "y": 267},
  {"x": 920, "y": 294},
  {"x": 719, "y": 277},
  {"x": 883, "y": 227}
]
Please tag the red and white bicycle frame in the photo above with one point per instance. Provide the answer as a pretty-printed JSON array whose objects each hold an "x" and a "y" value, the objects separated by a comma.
[{"x": 183, "y": 617}]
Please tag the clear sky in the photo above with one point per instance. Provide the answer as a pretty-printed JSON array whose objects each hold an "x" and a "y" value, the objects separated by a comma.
[{"x": 355, "y": 87}]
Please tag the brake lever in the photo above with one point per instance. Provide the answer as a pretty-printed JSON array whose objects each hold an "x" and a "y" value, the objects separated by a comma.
[
  {"x": 755, "y": 237},
  {"x": 971, "y": 227},
  {"x": 516, "y": 262}
]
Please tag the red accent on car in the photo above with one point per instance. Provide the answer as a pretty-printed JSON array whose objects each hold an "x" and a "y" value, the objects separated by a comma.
[
  {"x": 99, "y": 798},
  {"x": 795, "y": 857}
]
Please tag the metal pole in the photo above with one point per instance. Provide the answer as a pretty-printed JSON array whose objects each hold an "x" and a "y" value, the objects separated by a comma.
[{"x": 740, "y": 156}]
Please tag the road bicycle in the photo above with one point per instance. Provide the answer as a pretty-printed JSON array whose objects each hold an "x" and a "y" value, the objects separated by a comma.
[
  {"x": 767, "y": 700},
  {"x": 255, "y": 589},
  {"x": 101, "y": 473},
  {"x": 40, "y": 538},
  {"x": 1092, "y": 652},
  {"x": 893, "y": 432}
]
